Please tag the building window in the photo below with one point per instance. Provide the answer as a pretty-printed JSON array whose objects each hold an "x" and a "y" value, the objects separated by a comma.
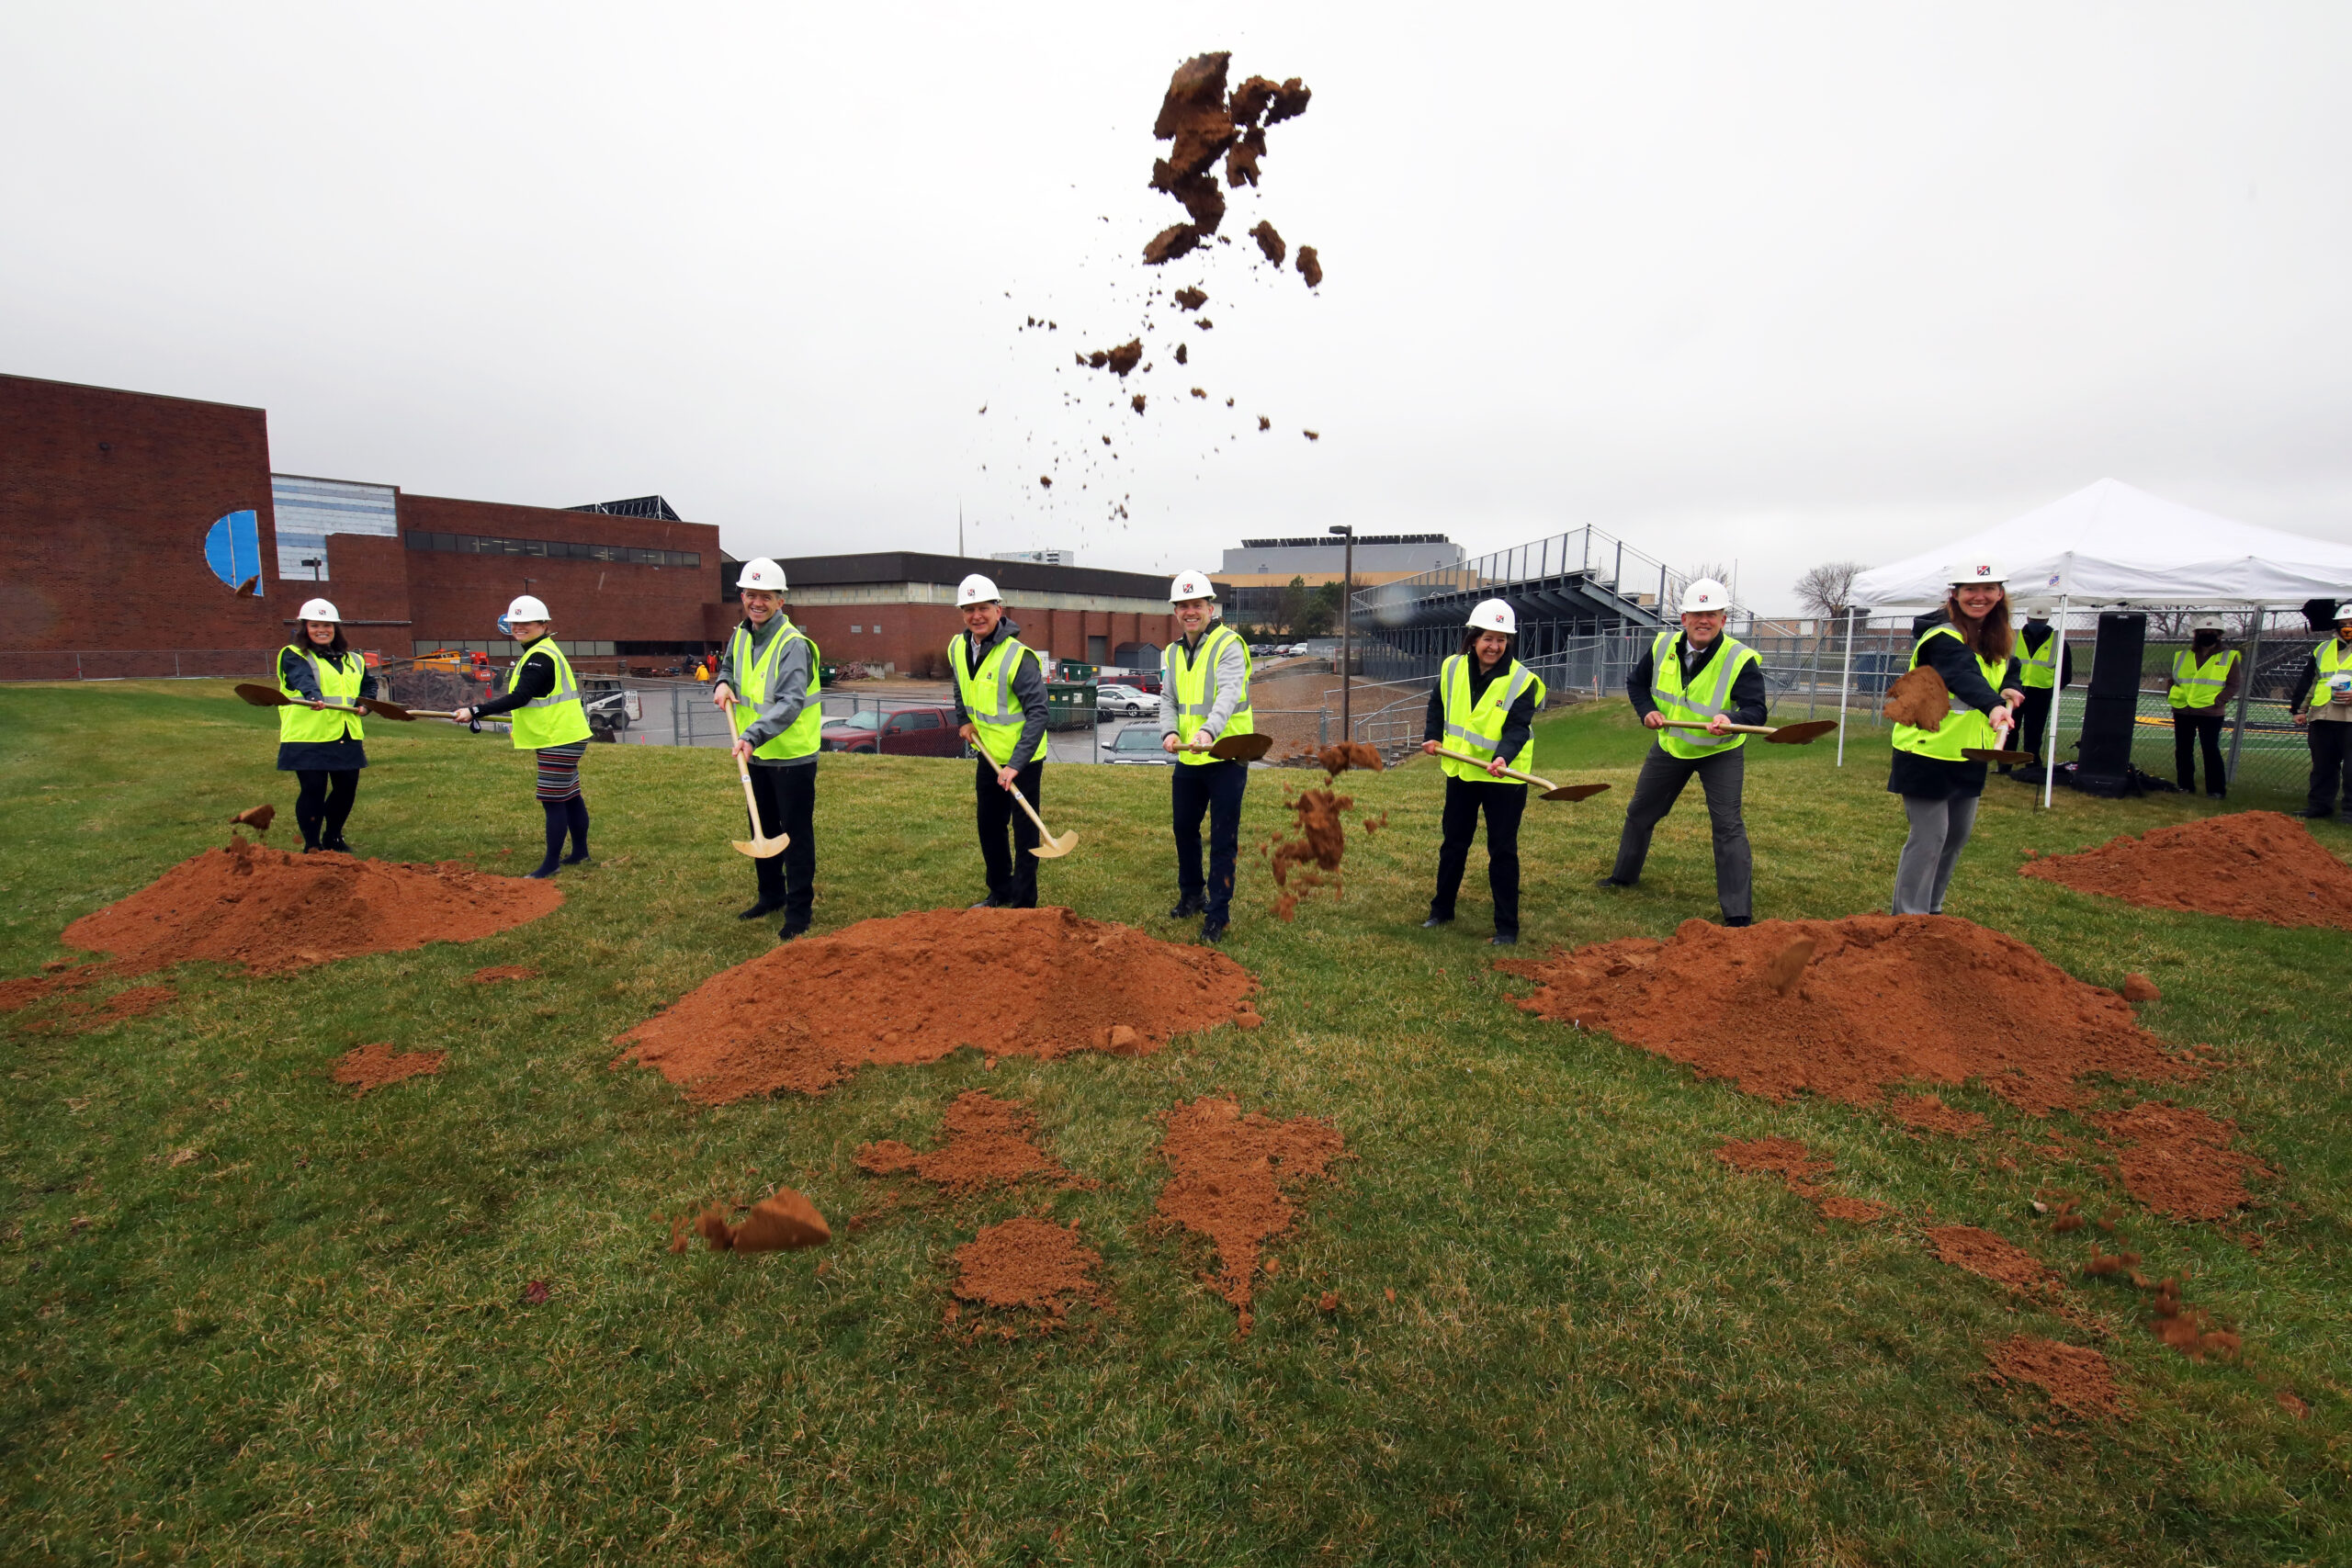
[
  {"x": 551, "y": 549},
  {"x": 856, "y": 629}
]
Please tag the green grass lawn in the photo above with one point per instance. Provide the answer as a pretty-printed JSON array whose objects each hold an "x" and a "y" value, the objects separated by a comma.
[{"x": 308, "y": 1342}]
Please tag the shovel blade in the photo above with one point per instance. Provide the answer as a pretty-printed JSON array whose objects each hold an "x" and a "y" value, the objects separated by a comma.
[
  {"x": 762, "y": 849},
  {"x": 1242, "y": 747},
  {"x": 261, "y": 696},
  {"x": 1803, "y": 734},
  {"x": 382, "y": 709},
  {"x": 1054, "y": 848},
  {"x": 1574, "y": 792}
]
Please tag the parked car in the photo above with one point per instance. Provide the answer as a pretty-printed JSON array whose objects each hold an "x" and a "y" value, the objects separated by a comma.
[
  {"x": 909, "y": 732},
  {"x": 1138, "y": 743},
  {"x": 1128, "y": 700}
]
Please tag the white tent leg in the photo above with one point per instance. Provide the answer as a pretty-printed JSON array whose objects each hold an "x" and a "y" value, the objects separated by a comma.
[
  {"x": 1845, "y": 684},
  {"x": 2057, "y": 695}
]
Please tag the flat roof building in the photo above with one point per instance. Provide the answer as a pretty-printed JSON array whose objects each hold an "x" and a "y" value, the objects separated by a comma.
[
  {"x": 898, "y": 608},
  {"x": 1250, "y": 583}
]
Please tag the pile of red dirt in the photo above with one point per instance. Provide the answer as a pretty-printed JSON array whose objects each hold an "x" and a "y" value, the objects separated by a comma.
[
  {"x": 1885, "y": 999},
  {"x": 988, "y": 1142},
  {"x": 2250, "y": 865},
  {"x": 1926, "y": 1113},
  {"x": 785, "y": 1220},
  {"x": 1981, "y": 1252},
  {"x": 272, "y": 911},
  {"x": 1802, "y": 1172},
  {"x": 498, "y": 972},
  {"x": 1026, "y": 1264},
  {"x": 911, "y": 988},
  {"x": 2076, "y": 1378},
  {"x": 1232, "y": 1173},
  {"x": 1310, "y": 858},
  {"x": 2177, "y": 1160},
  {"x": 373, "y": 1066}
]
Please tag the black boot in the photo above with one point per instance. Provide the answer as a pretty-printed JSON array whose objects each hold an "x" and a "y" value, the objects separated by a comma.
[
  {"x": 760, "y": 907},
  {"x": 1187, "y": 905},
  {"x": 1436, "y": 920},
  {"x": 1213, "y": 930},
  {"x": 1504, "y": 939}
]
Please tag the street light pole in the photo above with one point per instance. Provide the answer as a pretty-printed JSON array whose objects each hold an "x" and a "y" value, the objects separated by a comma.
[{"x": 1347, "y": 626}]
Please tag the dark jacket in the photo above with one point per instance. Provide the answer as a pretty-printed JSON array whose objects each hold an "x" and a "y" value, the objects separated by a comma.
[
  {"x": 2303, "y": 684},
  {"x": 1028, "y": 685},
  {"x": 326, "y": 756},
  {"x": 788, "y": 697},
  {"x": 1748, "y": 696},
  {"x": 1932, "y": 778},
  {"x": 1516, "y": 722}
]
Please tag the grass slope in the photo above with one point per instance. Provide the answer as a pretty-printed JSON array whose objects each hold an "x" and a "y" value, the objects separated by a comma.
[{"x": 307, "y": 1343}]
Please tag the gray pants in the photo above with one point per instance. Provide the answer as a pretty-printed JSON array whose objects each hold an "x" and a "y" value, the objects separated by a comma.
[
  {"x": 1939, "y": 831},
  {"x": 1655, "y": 792}
]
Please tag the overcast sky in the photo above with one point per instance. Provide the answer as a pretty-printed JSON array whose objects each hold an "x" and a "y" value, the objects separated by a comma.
[{"x": 1778, "y": 284}]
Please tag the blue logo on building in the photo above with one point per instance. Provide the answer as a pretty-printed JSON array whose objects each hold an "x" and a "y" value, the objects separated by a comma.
[{"x": 232, "y": 549}]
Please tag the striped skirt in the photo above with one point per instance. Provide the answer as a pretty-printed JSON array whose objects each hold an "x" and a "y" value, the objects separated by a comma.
[{"x": 559, "y": 771}]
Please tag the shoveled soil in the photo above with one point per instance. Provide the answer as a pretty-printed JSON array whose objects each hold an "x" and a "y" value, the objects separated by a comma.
[
  {"x": 2177, "y": 1160},
  {"x": 373, "y": 1066},
  {"x": 2249, "y": 865},
  {"x": 1801, "y": 1171},
  {"x": 137, "y": 1001},
  {"x": 1232, "y": 1179},
  {"x": 1981, "y": 1252},
  {"x": 2076, "y": 1378},
  {"x": 1027, "y": 1265},
  {"x": 910, "y": 988},
  {"x": 1886, "y": 999},
  {"x": 988, "y": 1142},
  {"x": 1271, "y": 242},
  {"x": 1926, "y": 1113},
  {"x": 1310, "y": 266},
  {"x": 1919, "y": 698},
  {"x": 257, "y": 818},
  {"x": 272, "y": 911},
  {"x": 55, "y": 979},
  {"x": 785, "y": 1220},
  {"x": 2189, "y": 1329},
  {"x": 1311, "y": 856}
]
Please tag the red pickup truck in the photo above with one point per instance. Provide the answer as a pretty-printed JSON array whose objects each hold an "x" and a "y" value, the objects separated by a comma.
[{"x": 925, "y": 731}]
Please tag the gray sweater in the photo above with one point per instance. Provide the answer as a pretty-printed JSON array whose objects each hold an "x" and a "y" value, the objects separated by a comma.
[
  {"x": 1028, "y": 685},
  {"x": 788, "y": 697},
  {"x": 1232, "y": 684}
]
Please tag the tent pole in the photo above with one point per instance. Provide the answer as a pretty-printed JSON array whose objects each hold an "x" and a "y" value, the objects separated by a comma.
[
  {"x": 1845, "y": 684},
  {"x": 2057, "y": 695},
  {"x": 2245, "y": 692}
]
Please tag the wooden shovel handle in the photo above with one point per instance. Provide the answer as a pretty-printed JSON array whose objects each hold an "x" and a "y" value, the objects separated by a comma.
[
  {"x": 982, "y": 748},
  {"x": 1508, "y": 772},
  {"x": 1734, "y": 728}
]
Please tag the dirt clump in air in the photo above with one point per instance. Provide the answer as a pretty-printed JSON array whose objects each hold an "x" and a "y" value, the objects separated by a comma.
[
  {"x": 2078, "y": 1379},
  {"x": 1310, "y": 266},
  {"x": 1886, "y": 999},
  {"x": 910, "y": 988},
  {"x": 272, "y": 911},
  {"x": 372, "y": 1067},
  {"x": 1312, "y": 434},
  {"x": 1310, "y": 858},
  {"x": 1028, "y": 1266},
  {"x": 498, "y": 972},
  {"x": 1119, "y": 360},
  {"x": 1982, "y": 1253},
  {"x": 2248, "y": 865},
  {"x": 2189, "y": 1329},
  {"x": 1919, "y": 699},
  {"x": 1189, "y": 298},
  {"x": 257, "y": 818},
  {"x": 1183, "y": 358},
  {"x": 1788, "y": 966},
  {"x": 2177, "y": 1160},
  {"x": 1269, "y": 242},
  {"x": 1199, "y": 393},
  {"x": 1264, "y": 422},
  {"x": 1135, "y": 402},
  {"x": 785, "y": 1220},
  {"x": 1233, "y": 1180},
  {"x": 1926, "y": 1113},
  {"x": 988, "y": 1142},
  {"x": 1802, "y": 1172}
]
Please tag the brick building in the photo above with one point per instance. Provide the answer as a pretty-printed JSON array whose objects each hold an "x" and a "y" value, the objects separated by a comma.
[{"x": 898, "y": 608}]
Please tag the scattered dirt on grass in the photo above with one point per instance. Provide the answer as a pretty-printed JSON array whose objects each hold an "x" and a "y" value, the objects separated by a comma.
[
  {"x": 2177, "y": 1160},
  {"x": 257, "y": 818},
  {"x": 2292, "y": 1404},
  {"x": 987, "y": 1143},
  {"x": 1928, "y": 1113},
  {"x": 56, "y": 982},
  {"x": 498, "y": 972},
  {"x": 1233, "y": 1176},
  {"x": 1981, "y": 1252},
  {"x": 1886, "y": 999},
  {"x": 785, "y": 1220},
  {"x": 373, "y": 1066},
  {"x": 138, "y": 1001},
  {"x": 2189, "y": 1329},
  {"x": 2077, "y": 1379},
  {"x": 1854, "y": 1211},
  {"x": 910, "y": 988},
  {"x": 1028, "y": 1266},
  {"x": 2248, "y": 865},
  {"x": 1919, "y": 698},
  {"x": 1801, "y": 1171},
  {"x": 272, "y": 911}
]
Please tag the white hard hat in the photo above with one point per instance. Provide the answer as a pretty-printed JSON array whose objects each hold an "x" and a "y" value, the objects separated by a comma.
[
  {"x": 1494, "y": 616},
  {"x": 526, "y": 608},
  {"x": 1706, "y": 594},
  {"x": 2038, "y": 609},
  {"x": 2205, "y": 624},
  {"x": 1963, "y": 571},
  {"x": 1190, "y": 586},
  {"x": 2343, "y": 611},
  {"x": 762, "y": 575},
  {"x": 975, "y": 589},
  {"x": 318, "y": 610}
]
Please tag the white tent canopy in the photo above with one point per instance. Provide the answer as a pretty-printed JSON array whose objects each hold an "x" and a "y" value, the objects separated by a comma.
[{"x": 2113, "y": 545}]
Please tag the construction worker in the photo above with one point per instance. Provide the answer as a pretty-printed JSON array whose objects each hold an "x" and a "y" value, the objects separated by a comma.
[
  {"x": 1000, "y": 713},
  {"x": 768, "y": 684},
  {"x": 1484, "y": 704},
  {"x": 1971, "y": 648},
  {"x": 322, "y": 748},
  {"x": 1203, "y": 697},
  {"x": 2046, "y": 666},
  {"x": 2204, "y": 678},
  {"x": 1702, "y": 676},
  {"x": 543, "y": 700},
  {"x": 2322, "y": 703}
]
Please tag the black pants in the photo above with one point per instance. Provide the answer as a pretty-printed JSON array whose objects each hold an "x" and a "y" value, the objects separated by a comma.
[
  {"x": 1655, "y": 792},
  {"x": 1013, "y": 873},
  {"x": 1216, "y": 789},
  {"x": 788, "y": 801},
  {"x": 2331, "y": 763},
  {"x": 325, "y": 803},
  {"x": 1504, "y": 805},
  {"x": 2033, "y": 723},
  {"x": 2190, "y": 727}
]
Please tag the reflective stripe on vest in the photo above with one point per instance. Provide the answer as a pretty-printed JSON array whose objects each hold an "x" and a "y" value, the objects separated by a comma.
[
  {"x": 1477, "y": 726},
  {"x": 1965, "y": 726},
  {"x": 556, "y": 719},
  {"x": 989, "y": 703},
  {"x": 2196, "y": 685},
  {"x": 1192, "y": 685},
  {"x": 338, "y": 683},
  {"x": 1713, "y": 697},
  {"x": 2040, "y": 670},
  {"x": 757, "y": 674},
  {"x": 2334, "y": 659}
]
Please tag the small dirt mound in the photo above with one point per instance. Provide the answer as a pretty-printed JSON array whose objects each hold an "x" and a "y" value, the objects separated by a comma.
[
  {"x": 910, "y": 988},
  {"x": 272, "y": 911},
  {"x": 1801, "y": 1171},
  {"x": 2250, "y": 865},
  {"x": 2177, "y": 1160},
  {"x": 1981, "y": 1252},
  {"x": 1885, "y": 999},
  {"x": 373, "y": 1066},
  {"x": 1232, "y": 1173},
  {"x": 1926, "y": 1113},
  {"x": 499, "y": 972},
  {"x": 2076, "y": 1379},
  {"x": 988, "y": 1142},
  {"x": 1029, "y": 1266}
]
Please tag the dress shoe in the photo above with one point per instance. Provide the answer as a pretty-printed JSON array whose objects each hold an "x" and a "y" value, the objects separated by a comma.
[
  {"x": 993, "y": 902},
  {"x": 1734, "y": 922},
  {"x": 785, "y": 934},
  {"x": 758, "y": 909},
  {"x": 2317, "y": 816},
  {"x": 1436, "y": 920},
  {"x": 1190, "y": 904},
  {"x": 1610, "y": 882},
  {"x": 338, "y": 846},
  {"x": 1504, "y": 939},
  {"x": 1212, "y": 931}
]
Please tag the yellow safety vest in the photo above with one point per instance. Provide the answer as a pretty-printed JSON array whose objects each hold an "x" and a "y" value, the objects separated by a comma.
[
  {"x": 758, "y": 675},
  {"x": 2039, "y": 672},
  {"x": 2334, "y": 659},
  {"x": 2196, "y": 685},
  {"x": 1192, "y": 685},
  {"x": 989, "y": 702},
  {"x": 556, "y": 719},
  {"x": 1965, "y": 726},
  {"x": 1477, "y": 727},
  {"x": 1712, "y": 697},
  {"x": 338, "y": 683}
]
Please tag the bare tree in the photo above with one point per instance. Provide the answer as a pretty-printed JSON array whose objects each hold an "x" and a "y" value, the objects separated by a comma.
[
  {"x": 1827, "y": 589},
  {"x": 1719, "y": 571}
]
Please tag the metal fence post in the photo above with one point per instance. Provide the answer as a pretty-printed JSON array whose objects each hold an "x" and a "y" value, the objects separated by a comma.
[
  {"x": 2246, "y": 693},
  {"x": 1845, "y": 683}
]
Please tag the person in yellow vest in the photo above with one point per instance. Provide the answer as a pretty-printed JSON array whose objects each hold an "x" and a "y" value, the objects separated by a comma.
[
  {"x": 2323, "y": 703},
  {"x": 1203, "y": 697},
  {"x": 1702, "y": 675},
  {"x": 2204, "y": 678},
  {"x": 1971, "y": 648},
  {"x": 1000, "y": 713},
  {"x": 542, "y": 704},
  {"x": 769, "y": 683},
  {"x": 323, "y": 747},
  {"x": 2045, "y": 667},
  {"x": 1485, "y": 704}
]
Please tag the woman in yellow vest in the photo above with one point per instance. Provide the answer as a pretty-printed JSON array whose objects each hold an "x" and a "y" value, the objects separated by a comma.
[
  {"x": 321, "y": 747},
  {"x": 1484, "y": 706},
  {"x": 1203, "y": 697},
  {"x": 1000, "y": 713},
  {"x": 2204, "y": 678},
  {"x": 2322, "y": 702},
  {"x": 1971, "y": 648},
  {"x": 769, "y": 681},
  {"x": 543, "y": 700}
]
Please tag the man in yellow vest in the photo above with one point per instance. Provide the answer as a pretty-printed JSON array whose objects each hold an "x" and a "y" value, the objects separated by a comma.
[
  {"x": 2322, "y": 702},
  {"x": 1001, "y": 712},
  {"x": 2046, "y": 666},
  {"x": 1203, "y": 697},
  {"x": 2204, "y": 678},
  {"x": 768, "y": 684},
  {"x": 1699, "y": 674}
]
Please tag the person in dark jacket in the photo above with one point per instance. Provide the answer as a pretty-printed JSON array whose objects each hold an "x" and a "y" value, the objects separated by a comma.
[
  {"x": 543, "y": 702},
  {"x": 2045, "y": 667},
  {"x": 1484, "y": 706},
  {"x": 1000, "y": 713},
  {"x": 1970, "y": 646},
  {"x": 323, "y": 747},
  {"x": 2321, "y": 704},
  {"x": 2205, "y": 680}
]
